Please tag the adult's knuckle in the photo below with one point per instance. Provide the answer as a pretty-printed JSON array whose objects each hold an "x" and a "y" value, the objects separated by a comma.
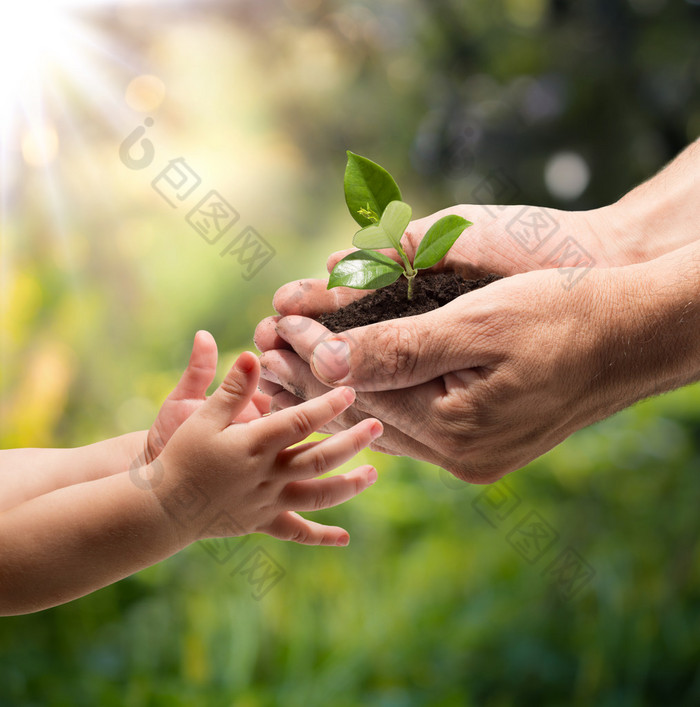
[
  {"x": 399, "y": 349},
  {"x": 474, "y": 412}
]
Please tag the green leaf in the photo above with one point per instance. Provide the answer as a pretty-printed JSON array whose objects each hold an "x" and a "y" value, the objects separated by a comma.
[
  {"x": 369, "y": 188},
  {"x": 438, "y": 240},
  {"x": 395, "y": 219},
  {"x": 372, "y": 236},
  {"x": 387, "y": 233},
  {"x": 364, "y": 270}
]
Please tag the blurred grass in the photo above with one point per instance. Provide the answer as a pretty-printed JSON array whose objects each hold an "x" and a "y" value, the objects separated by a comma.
[{"x": 429, "y": 605}]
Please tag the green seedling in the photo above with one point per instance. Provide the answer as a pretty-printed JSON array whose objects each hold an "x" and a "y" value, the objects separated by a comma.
[{"x": 374, "y": 201}]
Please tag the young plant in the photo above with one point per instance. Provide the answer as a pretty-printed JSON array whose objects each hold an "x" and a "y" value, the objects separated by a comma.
[{"x": 374, "y": 201}]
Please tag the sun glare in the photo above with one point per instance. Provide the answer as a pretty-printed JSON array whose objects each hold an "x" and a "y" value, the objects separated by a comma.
[
  {"x": 44, "y": 43},
  {"x": 32, "y": 36}
]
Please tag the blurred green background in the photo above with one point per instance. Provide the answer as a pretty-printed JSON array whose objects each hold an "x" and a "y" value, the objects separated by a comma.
[{"x": 104, "y": 285}]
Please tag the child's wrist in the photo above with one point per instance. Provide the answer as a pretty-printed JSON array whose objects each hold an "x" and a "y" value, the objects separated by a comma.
[{"x": 171, "y": 501}]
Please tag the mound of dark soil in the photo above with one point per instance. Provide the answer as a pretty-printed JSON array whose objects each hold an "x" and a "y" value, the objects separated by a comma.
[{"x": 430, "y": 291}]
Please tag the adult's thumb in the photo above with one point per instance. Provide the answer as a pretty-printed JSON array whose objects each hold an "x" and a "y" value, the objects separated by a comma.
[
  {"x": 235, "y": 391},
  {"x": 398, "y": 353}
]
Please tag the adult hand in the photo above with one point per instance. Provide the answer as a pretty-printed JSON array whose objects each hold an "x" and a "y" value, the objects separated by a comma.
[
  {"x": 503, "y": 239},
  {"x": 499, "y": 376}
]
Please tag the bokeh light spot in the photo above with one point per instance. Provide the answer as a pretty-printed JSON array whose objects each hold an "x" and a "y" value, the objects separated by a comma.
[
  {"x": 566, "y": 175},
  {"x": 525, "y": 13},
  {"x": 145, "y": 93},
  {"x": 40, "y": 145}
]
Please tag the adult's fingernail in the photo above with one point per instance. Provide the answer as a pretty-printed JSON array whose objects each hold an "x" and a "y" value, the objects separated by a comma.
[
  {"x": 331, "y": 360},
  {"x": 268, "y": 375},
  {"x": 292, "y": 325}
]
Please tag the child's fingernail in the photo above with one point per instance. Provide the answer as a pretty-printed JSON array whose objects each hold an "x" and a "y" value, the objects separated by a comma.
[
  {"x": 331, "y": 359},
  {"x": 376, "y": 429},
  {"x": 348, "y": 394},
  {"x": 245, "y": 363},
  {"x": 371, "y": 476},
  {"x": 343, "y": 541}
]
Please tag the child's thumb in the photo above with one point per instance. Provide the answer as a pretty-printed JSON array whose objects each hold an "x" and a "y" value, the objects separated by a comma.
[
  {"x": 200, "y": 370},
  {"x": 235, "y": 391}
]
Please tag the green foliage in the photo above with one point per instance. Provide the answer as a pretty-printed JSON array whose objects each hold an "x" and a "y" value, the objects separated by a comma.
[
  {"x": 365, "y": 270},
  {"x": 438, "y": 240},
  {"x": 367, "y": 188},
  {"x": 387, "y": 233}
]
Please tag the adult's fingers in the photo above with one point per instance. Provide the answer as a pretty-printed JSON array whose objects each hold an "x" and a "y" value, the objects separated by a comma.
[
  {"x": 310, "y": 298},
  {"x": 291, "y": 526},
  {"x": 316, "y": 494},
  {"x": 234, "y": 393},
  {"x": 268, "y": 387},
  {"x": 265, "y": 336},
  {"x": 287, "y": 369},
  {"x": 399, "y": 353}
]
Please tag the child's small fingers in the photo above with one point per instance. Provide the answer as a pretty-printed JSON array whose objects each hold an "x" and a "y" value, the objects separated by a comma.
[
  {"x": 255, "y": 409},
  {"x": 200, "y": 370},
  {"x": 234, "y": 393},
  {"x": 261, "y": 402},
  {"x": 316, "y": 494},
  {"x": 284, "y": 400},
  {"x": 291, "y": 526},
  {"x": 269, "y": 388},
  {"x": 319, "y": 457},
  {"x": 296, "y": 423}
]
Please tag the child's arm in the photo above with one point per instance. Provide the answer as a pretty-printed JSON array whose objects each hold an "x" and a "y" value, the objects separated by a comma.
[
  {"x": 28, "y": 473},
  {"x": 71, "y": 541}
]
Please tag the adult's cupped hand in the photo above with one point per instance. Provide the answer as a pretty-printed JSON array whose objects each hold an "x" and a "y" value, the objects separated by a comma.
[{"x": 480, "y": 386}]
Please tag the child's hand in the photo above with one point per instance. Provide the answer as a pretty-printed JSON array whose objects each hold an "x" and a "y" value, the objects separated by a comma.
[
  {"x": 190, "y": 393},
  {"x": 249, "y": 478}
]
